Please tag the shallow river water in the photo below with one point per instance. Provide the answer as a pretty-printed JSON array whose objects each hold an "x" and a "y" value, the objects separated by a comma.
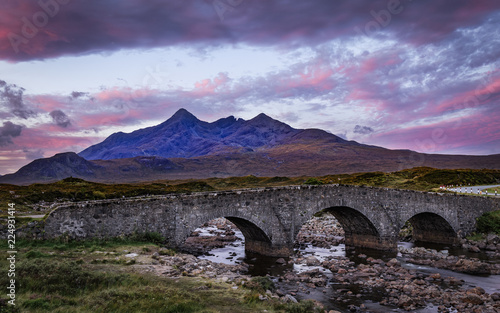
[{"x": 234, "y": 253}]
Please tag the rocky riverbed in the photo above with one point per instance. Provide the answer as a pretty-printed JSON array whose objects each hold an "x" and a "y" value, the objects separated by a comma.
[
  {"x": 216, "y": 233},
  {"x": 389, "y": 283},
  {"x": 347, "y": 285},
  {"x": 322, "y": 231},
  {"x": 461, "y": 263}
]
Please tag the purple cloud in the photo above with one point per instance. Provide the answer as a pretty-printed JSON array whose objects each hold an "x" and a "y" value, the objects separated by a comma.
[
  {"x": 12, "y": 96},
  {"x": 33, "y": 31},
  {"x": 8, "y": 131},
  {"x": 60, "y": 118},
  {"x": 363, "y": 130}
]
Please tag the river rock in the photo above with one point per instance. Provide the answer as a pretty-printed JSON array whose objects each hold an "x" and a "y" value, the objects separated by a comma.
[
  {"x": 472, "y": 298},
  {"x": 472, "y": 267},
  {"x": 393, "y": 263},
  {"x": 312, "y": 261},
  {"x": 495, "y": 296},
  {"x": 474, "y": 249},
  {"x": 435, "y": 276},
  {"x": 491, "y": 247},
  {"x": 290, "y": 298},
  {"x": 492, "y": 239}
]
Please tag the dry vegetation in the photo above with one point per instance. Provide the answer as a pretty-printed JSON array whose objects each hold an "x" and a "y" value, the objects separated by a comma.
[{"x": 28, "y": 198}]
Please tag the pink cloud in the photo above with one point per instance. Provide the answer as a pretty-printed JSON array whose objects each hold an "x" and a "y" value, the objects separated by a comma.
[
  {"x": 47, "y": 103},
  {"x": 209, "y": 86},
  {"x": 479, "y": 130},
  {"x": 313, "y": 77},
  {"x": 481, "y": 95},
  {"x": 123, "y": 93}
]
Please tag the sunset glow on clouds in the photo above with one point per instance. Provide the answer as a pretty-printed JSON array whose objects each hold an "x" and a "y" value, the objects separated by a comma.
[{"x": 419, "y": 75}]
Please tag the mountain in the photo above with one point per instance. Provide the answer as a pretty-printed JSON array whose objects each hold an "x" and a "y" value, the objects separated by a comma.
[
  {"x": 185, "y": 147},
  {"x": 58, "y": 167},
  {"x": 69, "y": 164},
  {"x": 185, "y": 136}
]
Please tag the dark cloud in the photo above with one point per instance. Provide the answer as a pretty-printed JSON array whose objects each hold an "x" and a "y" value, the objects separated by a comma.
[
  {"x": 60, "y": 118},
  {"x": 8, "y": 131},
  {"x": 364, "y": 130},
  {"x": 78, "y": 94},
  {"x": 12, "y": 96},
  {"x": 104, "y": 26},
  {"x": 33, "y": 154}
]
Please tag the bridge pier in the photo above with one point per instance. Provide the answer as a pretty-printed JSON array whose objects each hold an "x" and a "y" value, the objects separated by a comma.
[
  {"x": 424, "y": 235},
  {"x": 267, "y": 248}
]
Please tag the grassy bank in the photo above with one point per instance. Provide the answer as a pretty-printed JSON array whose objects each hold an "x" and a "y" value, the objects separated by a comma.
[{"x": 95, "y": 276}]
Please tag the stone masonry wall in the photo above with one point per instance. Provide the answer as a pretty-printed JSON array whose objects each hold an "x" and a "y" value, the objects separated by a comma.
[{"x": 272, "y": 216}]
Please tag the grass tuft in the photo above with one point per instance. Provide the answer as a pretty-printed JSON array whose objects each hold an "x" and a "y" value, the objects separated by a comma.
[{"x": 489, "y": 223}]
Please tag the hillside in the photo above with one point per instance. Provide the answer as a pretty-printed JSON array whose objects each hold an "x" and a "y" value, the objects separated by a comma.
[
  {"x": 74, "y": 189},
  {"x": 184, "y": 147}
]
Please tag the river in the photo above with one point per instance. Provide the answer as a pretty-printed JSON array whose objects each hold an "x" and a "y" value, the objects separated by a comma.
[{"x": 234, "y": 253}]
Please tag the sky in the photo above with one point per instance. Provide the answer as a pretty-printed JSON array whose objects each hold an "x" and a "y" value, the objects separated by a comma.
[{"x": 402, "y": 74}]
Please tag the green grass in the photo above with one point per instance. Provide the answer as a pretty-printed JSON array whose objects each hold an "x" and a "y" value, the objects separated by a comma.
[
  {"x": 476, "y": 237},
  {"x": 489, "y": 223},
  {"x": 491, "y": 191},
  {"x": 84, "y": 276}
]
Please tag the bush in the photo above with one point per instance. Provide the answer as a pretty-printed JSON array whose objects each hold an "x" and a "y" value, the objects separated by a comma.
[
  {"x": 261, "y": 284},
  {"x": 489, "y": 223},
  {"x": 33, "y": 254},
  {"x": 306, "y": 306},
  {"x": 276, "y": 179},
  {"x": 313, "y": 181},
  {"x": 168, "y": 252},
  {"x": 98, "y": 195},
  {"x": 152, "y": 237}
]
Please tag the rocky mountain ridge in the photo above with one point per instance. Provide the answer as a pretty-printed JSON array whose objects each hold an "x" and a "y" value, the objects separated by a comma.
[{"x": 185, "y": 147}]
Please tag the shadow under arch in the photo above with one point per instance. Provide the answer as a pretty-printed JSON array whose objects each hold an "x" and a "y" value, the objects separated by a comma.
[
  {"x": 256, "y": 239},
  {"x": 432, "y": 228},
  {"x": 359, "y": 230}
]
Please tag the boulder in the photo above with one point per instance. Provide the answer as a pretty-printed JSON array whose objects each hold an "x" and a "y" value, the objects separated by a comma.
[
  {"x": 312, "y": 261},
  {"x": 393, "y": 263},
  {"x": 472, "y": 298}
]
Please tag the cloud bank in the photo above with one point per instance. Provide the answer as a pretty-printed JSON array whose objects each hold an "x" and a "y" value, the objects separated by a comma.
[{"x": 420, "y": 75}]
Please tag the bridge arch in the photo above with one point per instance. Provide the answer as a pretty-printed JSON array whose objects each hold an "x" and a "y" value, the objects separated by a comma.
[
  {"x": 359, "y": 229},
  {"x": 257, "y": 240},
  {"x": 432, "y": 227},
  {"x": 250, "y": 230}
]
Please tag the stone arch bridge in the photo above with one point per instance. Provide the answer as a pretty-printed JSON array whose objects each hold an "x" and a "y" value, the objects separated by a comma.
[{"x": 270, "y": 218}]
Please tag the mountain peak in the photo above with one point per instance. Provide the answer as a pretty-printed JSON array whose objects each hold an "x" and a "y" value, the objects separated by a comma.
[
  {"x": 263, "y": 119},
  {"x": 183, "y": 114},
  {"x": 263, "y": 116}
]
